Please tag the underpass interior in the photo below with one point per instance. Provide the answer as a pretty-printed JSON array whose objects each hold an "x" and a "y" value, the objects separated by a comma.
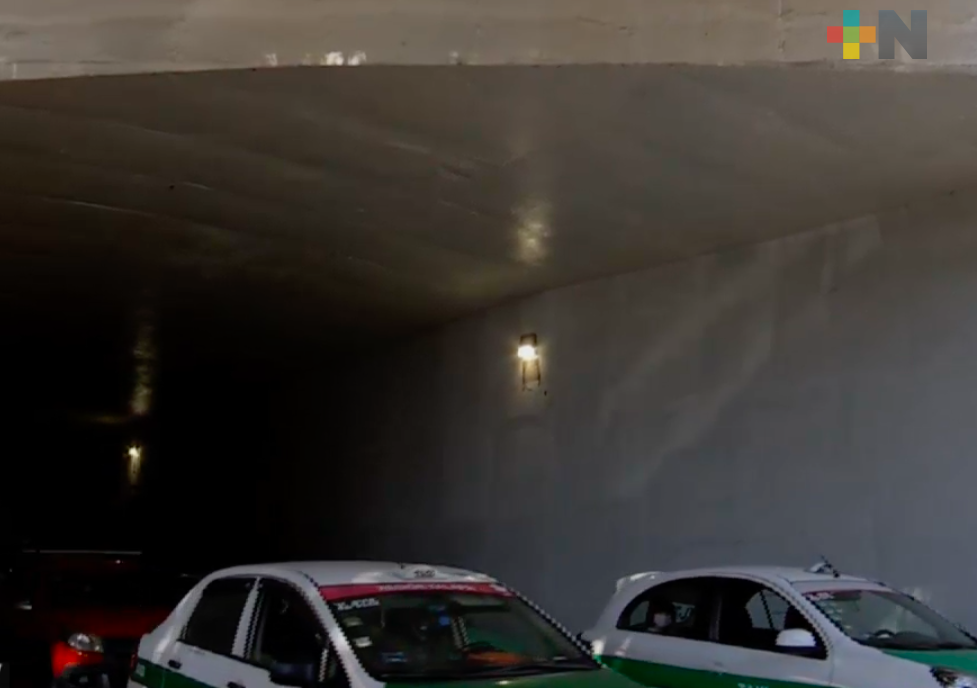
[{"x": 298, "y": 293}]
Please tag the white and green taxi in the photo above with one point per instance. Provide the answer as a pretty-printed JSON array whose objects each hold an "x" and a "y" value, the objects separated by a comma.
[
  {"x": 777, "y": 628},
  {"x": 361, "y": 625}
]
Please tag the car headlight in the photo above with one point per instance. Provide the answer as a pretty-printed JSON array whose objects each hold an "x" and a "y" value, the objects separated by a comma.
[
  {"x": 83, "y": 642},
  {"x": 950, "y": 678}
]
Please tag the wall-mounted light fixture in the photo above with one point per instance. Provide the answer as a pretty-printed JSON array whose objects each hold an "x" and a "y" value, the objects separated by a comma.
[
  {"x": 528, "y": 352},
  {"x": 134, "y": 454}
]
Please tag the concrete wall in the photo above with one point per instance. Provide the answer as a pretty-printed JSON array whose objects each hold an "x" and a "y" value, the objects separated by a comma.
[
  {"x": 811, "y": 395},
  {"x": 46, "y": 38}
]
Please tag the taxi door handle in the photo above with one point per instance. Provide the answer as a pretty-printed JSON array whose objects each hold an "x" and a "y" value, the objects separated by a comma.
[
  {"x": 174, "y": 664},
  {"x": 235, "y": 684}
]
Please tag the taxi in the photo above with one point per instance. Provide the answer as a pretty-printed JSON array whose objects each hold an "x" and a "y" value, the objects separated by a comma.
[
  {"x": 361, "y": 625},
  {"x": 764, "y": 627}
]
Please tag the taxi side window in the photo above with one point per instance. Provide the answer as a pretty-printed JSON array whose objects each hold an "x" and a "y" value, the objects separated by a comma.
[
  {"x": 679, "y": 609},
  {"x": 214, "y": 621},
  {"x": 286, "y": 632},
  {"x": 768, "y": 611},
  {"x": 752, "y": 615}
]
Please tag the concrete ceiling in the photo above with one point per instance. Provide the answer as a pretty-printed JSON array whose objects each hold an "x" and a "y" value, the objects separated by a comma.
[{"x": 326, "y": 204}]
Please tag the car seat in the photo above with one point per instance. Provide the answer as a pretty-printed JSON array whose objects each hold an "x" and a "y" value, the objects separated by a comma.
[
  {"x": 736, "y": 627},
  {"x": 794, "y": 619}
]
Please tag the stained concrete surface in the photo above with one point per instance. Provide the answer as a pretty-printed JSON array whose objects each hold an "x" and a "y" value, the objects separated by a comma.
[
  {"x": 807, "y": 396},
  {"x": 45, "y": 38},
  {"x": 274, "y": 218},
  {"x": 336, "y": 207}
]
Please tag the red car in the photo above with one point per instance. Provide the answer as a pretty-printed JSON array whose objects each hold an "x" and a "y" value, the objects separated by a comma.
[{"x": 77, "y": 617}]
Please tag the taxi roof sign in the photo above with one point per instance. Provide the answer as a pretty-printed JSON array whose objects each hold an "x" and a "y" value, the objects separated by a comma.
[{"x": 418, "y": 572}]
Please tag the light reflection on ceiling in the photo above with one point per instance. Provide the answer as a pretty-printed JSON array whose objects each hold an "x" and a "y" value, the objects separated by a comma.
[
  {"x": 533, "y": 232},
  {"x": 144, "y": 353}
]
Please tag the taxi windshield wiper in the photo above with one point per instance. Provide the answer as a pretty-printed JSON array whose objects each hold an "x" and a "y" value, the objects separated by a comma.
[
  {"x": 484, "y": 672},
  {"x": 896, "y": 643},
  {"x": 395, "y": 676},
  {"x": 546, "y": 665}
]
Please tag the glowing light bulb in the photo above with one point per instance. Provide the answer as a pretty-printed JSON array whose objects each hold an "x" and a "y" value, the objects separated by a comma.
[{"x": 527, "y": 352}]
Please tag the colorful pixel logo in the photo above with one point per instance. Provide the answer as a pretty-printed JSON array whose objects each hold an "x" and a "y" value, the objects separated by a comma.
[{"x": 851, "y": 34}]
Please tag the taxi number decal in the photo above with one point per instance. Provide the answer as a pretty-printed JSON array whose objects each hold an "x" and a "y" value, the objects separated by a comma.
[
  {"x": 820, "y": 596},
  {"x": 364, "y": 603}
]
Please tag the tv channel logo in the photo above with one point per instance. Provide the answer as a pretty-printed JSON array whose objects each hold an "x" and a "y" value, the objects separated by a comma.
[{"x": 851, "y": 34}]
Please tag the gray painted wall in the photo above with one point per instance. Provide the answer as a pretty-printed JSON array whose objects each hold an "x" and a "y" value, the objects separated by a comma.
[{"x": 811, "y": 395}]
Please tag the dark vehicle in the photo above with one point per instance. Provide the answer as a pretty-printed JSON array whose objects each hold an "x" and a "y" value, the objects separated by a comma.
[{"x": 74, "y": 618}]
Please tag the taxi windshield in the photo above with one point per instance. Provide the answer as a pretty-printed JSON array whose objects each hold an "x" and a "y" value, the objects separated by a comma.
[
  {"x": 890, "y": 620},
  {"x": 449, "y": 631}
]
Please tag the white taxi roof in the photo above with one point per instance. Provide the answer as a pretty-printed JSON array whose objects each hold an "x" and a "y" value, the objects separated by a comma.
[
  {"x": 792, "y": 576},
  {"x": 324, "y": 573}
]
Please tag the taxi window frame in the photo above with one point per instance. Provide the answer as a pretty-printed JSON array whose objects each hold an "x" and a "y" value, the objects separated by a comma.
[
  {"x": 251, "y": 634},
  {"x": 710, "y": 586},
  {"x": 244, "y": 616},
  {"x": 825, "y": 651}
]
